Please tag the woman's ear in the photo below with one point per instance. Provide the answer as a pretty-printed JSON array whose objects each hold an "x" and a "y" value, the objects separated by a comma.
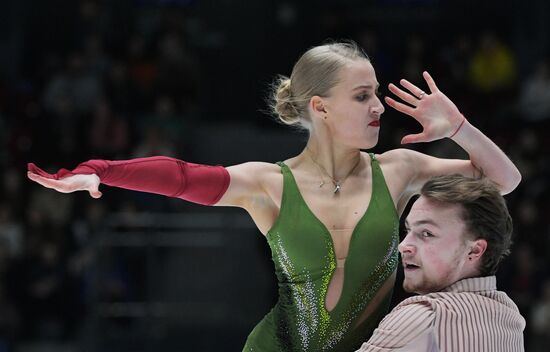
[{"x": 318, "y": 108}]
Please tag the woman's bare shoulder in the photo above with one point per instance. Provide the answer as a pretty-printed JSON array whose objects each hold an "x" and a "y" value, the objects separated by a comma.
[
  {"x": 399, "y": 166},
  {"x": 395, "y": 156},
  {"x": 255, "y": 175},
  {"x": 255, "y": 169}
]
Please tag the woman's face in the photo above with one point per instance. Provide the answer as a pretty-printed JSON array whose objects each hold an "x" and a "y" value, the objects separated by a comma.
[{"x": 353, "y": 107}]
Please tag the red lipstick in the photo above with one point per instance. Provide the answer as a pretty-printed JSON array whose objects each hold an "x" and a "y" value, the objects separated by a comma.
[{"x": 375, "y": 123}]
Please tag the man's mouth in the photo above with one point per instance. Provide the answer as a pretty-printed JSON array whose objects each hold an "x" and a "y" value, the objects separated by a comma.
[{"x": 409, "y": 266}]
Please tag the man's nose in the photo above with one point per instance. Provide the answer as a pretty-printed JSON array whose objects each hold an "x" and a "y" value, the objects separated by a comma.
[{"x": 406, "y": 246}]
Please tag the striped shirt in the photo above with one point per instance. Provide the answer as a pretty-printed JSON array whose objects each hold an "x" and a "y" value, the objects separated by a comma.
[{"x": 468, "y": 316}]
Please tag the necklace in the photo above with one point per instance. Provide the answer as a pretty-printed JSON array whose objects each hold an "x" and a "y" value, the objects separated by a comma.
[{"x": 337, "y": 183}]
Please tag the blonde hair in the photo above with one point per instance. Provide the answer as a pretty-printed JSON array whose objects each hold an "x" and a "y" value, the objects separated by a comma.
[{"x": 315, "y": 73}]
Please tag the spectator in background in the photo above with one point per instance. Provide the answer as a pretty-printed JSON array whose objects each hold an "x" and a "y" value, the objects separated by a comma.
[
  {"x": 70, "y": 98},
  {"x": 369, "y": 40},
  {"x": 46, "y": 293},
  {"x": 454, "y": 62},
  {"x": 109, "y": 133},
  {"x": 534, "y": 99},
  {"x": 164, "y": 121},
  {"x": 142, "y": 70},
  {"x": 493, "y": 65},
  {"x": 9, "y": 315},
  {"x": 540, "y": 320},
  {"x": 177, "y": 75},
  {"x": 525, "y": 280},
  {"x": 11, "y": 232},
  {"x": 76, "y": 86},
  {"x": 414, "y": 58}
]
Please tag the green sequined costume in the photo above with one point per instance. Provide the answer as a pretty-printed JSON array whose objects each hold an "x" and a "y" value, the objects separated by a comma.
[{"x": 303, "y": 253}]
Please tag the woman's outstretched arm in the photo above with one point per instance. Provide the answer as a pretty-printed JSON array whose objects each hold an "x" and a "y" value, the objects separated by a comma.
[
  {"x": 167, "y": 176},
  {"x": 243, "y": 185}
]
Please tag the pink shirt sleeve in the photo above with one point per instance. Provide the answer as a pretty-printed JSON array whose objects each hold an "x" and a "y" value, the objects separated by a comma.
[{"x": 407, "y": 328}]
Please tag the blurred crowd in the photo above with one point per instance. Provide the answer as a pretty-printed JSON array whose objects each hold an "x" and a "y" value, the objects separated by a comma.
[{"x": 115, "y": 85}]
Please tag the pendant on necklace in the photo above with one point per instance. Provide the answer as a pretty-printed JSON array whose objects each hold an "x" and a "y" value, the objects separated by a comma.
[
  {"x": 321, "y": 184},
  {"x": 336, "y": 187}
]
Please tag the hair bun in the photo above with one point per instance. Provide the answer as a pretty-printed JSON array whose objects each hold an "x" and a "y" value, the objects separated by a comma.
[{"x": 283, "y": 104}]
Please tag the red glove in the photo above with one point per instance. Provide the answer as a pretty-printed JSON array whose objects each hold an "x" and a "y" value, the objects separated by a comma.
[{"x": 171, "y": 177}]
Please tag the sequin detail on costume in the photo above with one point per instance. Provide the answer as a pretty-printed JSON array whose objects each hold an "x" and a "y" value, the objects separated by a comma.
[
  {"x": 311, "y": 315},
  {"x": 369, "y": 289},
  {"x": 330, "y": 259}
]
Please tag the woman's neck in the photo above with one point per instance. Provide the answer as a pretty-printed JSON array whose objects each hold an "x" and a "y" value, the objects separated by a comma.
[{"x": 336, "y": 161}]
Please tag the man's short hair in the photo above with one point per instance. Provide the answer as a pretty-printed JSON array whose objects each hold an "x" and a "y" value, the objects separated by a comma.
[{"x": 485, "y": 213}]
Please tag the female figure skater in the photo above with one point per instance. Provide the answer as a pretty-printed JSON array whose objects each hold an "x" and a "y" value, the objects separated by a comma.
[{"x": 330, "y": 214}]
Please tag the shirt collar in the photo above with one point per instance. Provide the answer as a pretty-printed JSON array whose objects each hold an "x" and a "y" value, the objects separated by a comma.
[{"x": 486, "y": 283}]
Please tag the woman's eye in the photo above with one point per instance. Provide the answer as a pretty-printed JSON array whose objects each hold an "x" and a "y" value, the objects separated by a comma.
[{"x": 362, "y": 97}]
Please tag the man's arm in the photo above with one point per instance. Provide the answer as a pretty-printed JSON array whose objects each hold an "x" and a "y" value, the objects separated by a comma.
[{"x": 403, "y": 326}]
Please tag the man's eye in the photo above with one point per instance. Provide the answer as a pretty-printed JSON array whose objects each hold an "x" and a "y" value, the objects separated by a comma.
[{"x": 426, "y": 234}]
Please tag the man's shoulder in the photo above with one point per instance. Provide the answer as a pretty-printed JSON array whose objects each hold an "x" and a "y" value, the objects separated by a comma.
[
  {"x": 421, "y": 306},
  {"x": 456, "y": 301},
  {"x": 420, "y": 300},
  {"x": 427, "y": 302}
]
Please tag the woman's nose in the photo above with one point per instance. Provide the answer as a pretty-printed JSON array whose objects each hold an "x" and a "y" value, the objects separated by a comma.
[{"x": 378, "y": 109}]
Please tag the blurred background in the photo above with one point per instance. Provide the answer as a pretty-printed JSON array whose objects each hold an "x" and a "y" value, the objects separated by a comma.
[{"x": 85, "y": 79}]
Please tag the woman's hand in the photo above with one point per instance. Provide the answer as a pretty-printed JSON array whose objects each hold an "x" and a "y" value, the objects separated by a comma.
[
  {"x": 70, "y": 184},
  {"x": 437, "y": 114}
]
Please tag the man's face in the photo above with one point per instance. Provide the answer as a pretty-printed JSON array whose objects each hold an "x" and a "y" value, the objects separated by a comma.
[{"x": 434, "y": 251}]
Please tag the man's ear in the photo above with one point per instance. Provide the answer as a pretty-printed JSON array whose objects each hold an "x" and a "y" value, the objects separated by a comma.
[
  {"x": 477, "y": 248},
  {"x": 318, "y": 108}
]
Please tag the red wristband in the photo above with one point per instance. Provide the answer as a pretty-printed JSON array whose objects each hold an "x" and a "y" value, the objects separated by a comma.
[{"x": 459, "y": 127}]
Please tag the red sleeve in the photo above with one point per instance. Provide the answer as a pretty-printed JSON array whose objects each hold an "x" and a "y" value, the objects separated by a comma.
[{"x": 171, "y": 177}]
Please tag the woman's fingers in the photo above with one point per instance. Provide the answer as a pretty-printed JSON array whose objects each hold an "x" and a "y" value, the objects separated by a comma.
[
  {"x": 417, "y": 92},
  {"x": 431, "y": 83},
  {"x": 47, "y": 182},
  {"x": 95, "y": 193},
  {"x": 38, "y": 171},
  {"x": 399, "y": 106},
  {"x": 414, "y": 138},
  {"x": 403, "y": 95},
  {"x": 68, "y": 184}
]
